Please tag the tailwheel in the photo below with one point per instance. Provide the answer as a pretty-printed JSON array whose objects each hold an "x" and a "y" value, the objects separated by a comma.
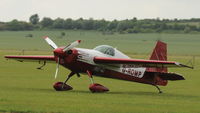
[
  {"x": 97, "y": 88},
  {"x": 60, "y": 86},
  {"x": 158, "y": 89}
]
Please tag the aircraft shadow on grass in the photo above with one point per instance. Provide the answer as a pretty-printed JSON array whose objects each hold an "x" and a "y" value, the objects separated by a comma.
[
  {"x": 133, "y": 93},
  {"x": 115, "y": 93},
  {"x": 139, "y": 93},
  {"x": 168, "y": 95}
]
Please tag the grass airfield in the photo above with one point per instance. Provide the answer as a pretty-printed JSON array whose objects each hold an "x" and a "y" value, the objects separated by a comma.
[{"x": 25, "y": 89}]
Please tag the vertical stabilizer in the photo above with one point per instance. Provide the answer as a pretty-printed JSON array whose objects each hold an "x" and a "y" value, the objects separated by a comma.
[{"x": 159, "y": 53}]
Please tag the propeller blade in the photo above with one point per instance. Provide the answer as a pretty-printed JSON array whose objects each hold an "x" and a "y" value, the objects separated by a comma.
[
  {"x": 57, "y": 68},
  {"x": 72, "y": 45},
  {"x": 50, "y": 42}
]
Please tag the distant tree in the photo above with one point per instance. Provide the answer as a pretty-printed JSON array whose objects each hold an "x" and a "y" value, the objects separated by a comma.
[
  {"x": 124, "y": 25},
  {"x": 129, "y": 30},
  {"x": 26, "y": 26},
  {"x": 158, "y": 19},
  {"x": 46, "y": 22},
  {"x": 133, "y": 25},
  {"x": 163, "y": 26},
  {"x": 175, "y": 20},
  {"x": 58, "y": 23},
  {"x": 112, "y": 25},
  {"x": 193, "y": 27},
  {"x": 88, "y": 24},
  {"x": 134, "y": 19},
  {"x": 34, "y": 19},
  {"x": 136, "y": 29},
  {"x": 195, "y": 19},
  {"x": 100, "y": 25},
  {"x": 187, "y": 29},
  {"x": 78, "y": 24},
  {"x": 166, "y": 20},
  {"x": 3, "y": 26},
  {"x": 16, "y": 25},
  {"x": 68, "y": 23},
  {"x": 97, "y": 25},
  {"x": 177, "y": 26}
]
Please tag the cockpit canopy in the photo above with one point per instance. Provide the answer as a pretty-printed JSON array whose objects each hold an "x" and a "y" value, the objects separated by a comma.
[{"x": 105, "y": 49}]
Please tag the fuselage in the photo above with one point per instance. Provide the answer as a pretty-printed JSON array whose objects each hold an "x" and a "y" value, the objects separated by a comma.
[{"x": 82, "y": 60}]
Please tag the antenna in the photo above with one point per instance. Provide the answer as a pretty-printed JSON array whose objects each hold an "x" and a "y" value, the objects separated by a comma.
[{"x": 159, "y": 38}]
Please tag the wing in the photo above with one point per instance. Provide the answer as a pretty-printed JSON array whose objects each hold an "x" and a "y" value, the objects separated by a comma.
[
  {"x": 138, "y": 62},
  {"x": 32, "y": 58}
]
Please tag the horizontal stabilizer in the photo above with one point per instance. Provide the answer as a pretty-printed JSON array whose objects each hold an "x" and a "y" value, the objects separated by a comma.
[{"x": 171, "y": 76}]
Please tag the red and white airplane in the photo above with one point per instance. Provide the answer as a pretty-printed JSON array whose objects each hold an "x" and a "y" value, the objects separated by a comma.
[{"x": 106, "y": 61}]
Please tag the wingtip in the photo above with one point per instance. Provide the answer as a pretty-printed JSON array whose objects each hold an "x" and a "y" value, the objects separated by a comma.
[
  {"x": 191, "y": 67},
  {"x": 44, "y": 37},
  {"x": 6, "y": 56}
]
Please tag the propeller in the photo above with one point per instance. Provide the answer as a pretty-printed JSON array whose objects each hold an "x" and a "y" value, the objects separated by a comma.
[
  {"x": 72, "y": 45},
  {"x": 50, "y": 42},
  {"x": 57, "y": 68},
  {"x": 66, "y": 48}
]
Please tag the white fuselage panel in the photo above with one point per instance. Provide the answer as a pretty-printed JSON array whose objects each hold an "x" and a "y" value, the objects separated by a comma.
[{"x": 87, "y": 56}]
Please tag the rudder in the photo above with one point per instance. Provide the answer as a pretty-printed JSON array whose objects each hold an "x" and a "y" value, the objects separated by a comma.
[{"x": 159, "y": 53}]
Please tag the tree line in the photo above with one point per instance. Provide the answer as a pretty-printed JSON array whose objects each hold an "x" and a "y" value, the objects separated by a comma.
[{"x": 122, "y": 26}]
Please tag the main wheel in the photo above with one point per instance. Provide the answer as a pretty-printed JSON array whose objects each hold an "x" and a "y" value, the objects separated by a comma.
[
  {"x": 60, "y": 86},
  {"x": 97, "y": 88}
]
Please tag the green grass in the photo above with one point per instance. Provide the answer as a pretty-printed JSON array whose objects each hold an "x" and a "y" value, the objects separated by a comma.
[
  {"x": 25, "y": 89},
  {"x": 181, "y": 44}
]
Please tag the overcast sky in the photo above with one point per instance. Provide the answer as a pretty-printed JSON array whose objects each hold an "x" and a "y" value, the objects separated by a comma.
[{"x": 99, "y": 9}]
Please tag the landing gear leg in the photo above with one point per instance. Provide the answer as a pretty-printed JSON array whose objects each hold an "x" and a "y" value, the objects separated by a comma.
[
  {"x": 94, "y": 87},
  {"x": 69, "y": 76},
  {"x": 42, "y": 65},
  {"x": 158, "y": 89},
  {"x": 90, "y": 76},
  {"x": 62, "y": 86}
]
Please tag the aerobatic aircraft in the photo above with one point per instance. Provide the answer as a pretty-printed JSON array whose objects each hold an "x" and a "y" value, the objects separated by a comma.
[{"x": 106, "y": 61}]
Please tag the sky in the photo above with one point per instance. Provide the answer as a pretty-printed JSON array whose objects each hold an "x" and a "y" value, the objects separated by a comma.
[{"x": 99, "y": 9}]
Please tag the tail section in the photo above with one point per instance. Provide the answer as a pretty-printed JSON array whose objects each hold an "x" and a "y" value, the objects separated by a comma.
[
  {"x": 159, "y": 53},
  {"x": 160, "y": 75}
]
